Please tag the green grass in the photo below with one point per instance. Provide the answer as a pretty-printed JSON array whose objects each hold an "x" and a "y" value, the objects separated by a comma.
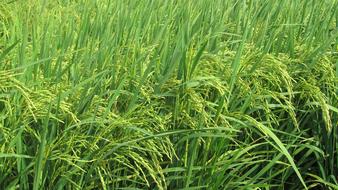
[{"x": 159, "y": 94}]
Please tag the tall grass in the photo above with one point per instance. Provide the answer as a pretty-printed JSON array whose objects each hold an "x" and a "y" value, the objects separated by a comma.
[{"x": 182, "y": 94}]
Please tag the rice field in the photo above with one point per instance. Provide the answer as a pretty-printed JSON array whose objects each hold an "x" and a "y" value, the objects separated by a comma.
[{"x": 168, "y": 94}]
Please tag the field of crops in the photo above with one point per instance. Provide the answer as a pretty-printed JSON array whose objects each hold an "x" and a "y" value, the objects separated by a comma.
[{"x": 168, "y": 94}]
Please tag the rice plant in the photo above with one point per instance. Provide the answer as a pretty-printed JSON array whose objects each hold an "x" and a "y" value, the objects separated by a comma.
[{"x": 171, "y": 94}]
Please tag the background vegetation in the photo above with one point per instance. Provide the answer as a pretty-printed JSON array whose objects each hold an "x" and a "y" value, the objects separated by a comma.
[{"x": 159, "y": 94}]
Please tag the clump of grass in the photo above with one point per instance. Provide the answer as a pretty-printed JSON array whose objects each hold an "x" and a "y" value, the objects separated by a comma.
[{"x": 168, "y": 95}]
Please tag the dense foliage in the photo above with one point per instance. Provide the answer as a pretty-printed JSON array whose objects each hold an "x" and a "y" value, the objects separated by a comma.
[{"x": 168, "y": 94}]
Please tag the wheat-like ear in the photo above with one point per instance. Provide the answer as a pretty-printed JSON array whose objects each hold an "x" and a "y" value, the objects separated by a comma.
[{"x": 159, "y": 94}]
